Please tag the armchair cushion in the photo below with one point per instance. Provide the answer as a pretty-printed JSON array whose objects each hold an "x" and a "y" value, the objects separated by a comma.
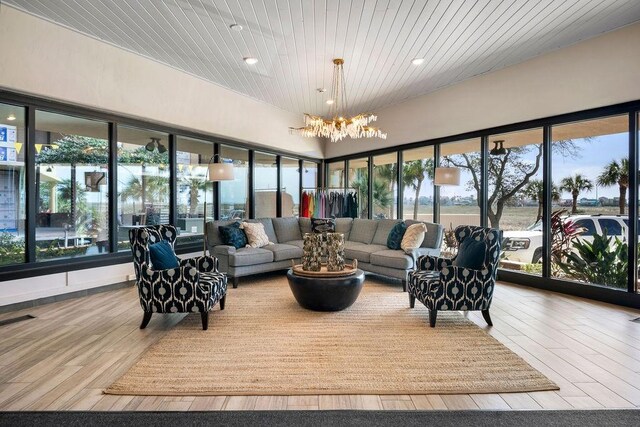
[
  {"x": 162, "y": 256},
  {"x": 471, "y": 254}
]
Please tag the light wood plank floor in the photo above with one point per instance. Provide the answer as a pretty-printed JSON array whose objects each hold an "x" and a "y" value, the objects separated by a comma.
[{"x": 63, "y": 359}]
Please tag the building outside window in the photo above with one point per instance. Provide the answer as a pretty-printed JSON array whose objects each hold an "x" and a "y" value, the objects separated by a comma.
[
  {"x": 12, "y": 184},
  {"x": 290, "y": 191},
  {"x": 143, "y": 180},
  {"x": 266, "y": 184},
  {"x": 72, "y": 178},
  {"x": 234, "y": 200}
]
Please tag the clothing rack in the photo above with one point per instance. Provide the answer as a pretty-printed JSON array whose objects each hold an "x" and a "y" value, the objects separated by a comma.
[{"x": 347, "y": 201}]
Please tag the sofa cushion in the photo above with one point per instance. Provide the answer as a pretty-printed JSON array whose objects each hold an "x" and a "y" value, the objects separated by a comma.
[
  {"x": 286, "y": 229},
  {"x": 250, "y": 256},
  {"x": 383, "y": 230},
  {"x": 363, "y": 230},
  {"x": 413, "y": 237},
  {"x": 268, "y": 228},
  {"x": 343, "y": 225},
  {"x": 298, "y": 243},
  {"x": 361, "y": 252},
  {"x": 305, "y": 225},
  {"x": 323, "y": 225},
  {"x": 283, "y": 251},
  {"x": 394, "y": 240},
  {"x": 213, "y": 233},
  {"x": 232, "y": 235},
  {"x": 433, "y": 235},
  {"x": 392, "y": 259}
]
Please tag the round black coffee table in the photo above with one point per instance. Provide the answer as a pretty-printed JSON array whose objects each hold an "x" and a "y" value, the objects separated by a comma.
[{"x": 326, "y": 293}]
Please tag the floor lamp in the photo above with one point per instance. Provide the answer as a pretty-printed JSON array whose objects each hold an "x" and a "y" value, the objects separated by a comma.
[{"x": 215, "y": 172}]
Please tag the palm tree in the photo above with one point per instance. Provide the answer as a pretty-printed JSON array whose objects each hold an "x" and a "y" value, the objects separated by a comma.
[
  {"x": 616, "y": 173},
  {"x": 534, "y": 190},
  {"x": 574, "y": 185},
  {"x": 413, "y": 174},
  {"x": 195, "y": 185},
  {"x": 386, "y": 174}
]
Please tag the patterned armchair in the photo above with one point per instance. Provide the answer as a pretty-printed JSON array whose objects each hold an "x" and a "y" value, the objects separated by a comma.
[
  {"x": 193, "y": 287},
  {"x": 440, "y": 285}
]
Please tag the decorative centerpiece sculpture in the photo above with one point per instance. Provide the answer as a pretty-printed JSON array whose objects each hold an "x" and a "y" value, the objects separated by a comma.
[
  {"x": 335, "y": 249},
  {"x": 312, "y": 252}
]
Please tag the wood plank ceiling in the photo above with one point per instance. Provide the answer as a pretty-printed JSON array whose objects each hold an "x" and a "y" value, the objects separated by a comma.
[{"x": 295, "y": 40}]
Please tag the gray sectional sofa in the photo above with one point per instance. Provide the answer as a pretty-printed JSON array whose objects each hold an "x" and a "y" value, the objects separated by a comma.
[{"x": 365, "y": 240}]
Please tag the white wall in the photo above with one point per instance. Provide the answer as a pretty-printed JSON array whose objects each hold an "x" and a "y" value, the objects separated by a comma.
[
  {"x": 47, "y": 60},
  {"x": 597, "y": 72}
]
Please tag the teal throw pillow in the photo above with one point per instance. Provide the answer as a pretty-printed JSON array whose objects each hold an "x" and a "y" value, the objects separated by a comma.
[
  {"x": 162, "y": 256},
  {"x": 232, "y": 235},
  {"x": 471, "y": 254},
  {"x": 395, "y": 235}
]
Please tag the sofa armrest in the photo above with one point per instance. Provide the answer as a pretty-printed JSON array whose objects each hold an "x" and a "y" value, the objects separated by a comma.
[{"x": 223, "y": 250}]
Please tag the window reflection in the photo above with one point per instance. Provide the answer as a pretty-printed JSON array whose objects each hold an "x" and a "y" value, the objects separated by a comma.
[{"x": 71, "y": 183}]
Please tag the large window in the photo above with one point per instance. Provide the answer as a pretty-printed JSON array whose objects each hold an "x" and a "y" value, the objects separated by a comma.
[
  {"x": 266, "y": 184},
  {"x": 385, "y": 186},
  {"x": 234, "y": 194},
  {"x": 143, "y": 180},
  {"x": 459, "y": 204},
  {"x": 290, "y": 191},
  {"x": 335, "y": 175},
  {"x": 590, "y": 168},
  {"x": 71, "y": 186},
  {"x": 192, "y": 156},
  {"x": 359, "y": 182},
  {"x": 309, "y": 175},
  {"x": 12, "y": 185},
  {"x": 417, "y": 184}
]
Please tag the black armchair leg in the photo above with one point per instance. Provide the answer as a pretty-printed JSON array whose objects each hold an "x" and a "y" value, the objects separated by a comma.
[
  {"x": 222, "y": 301},
  {"x": 145, "y": 319},
  {"x": 487, "y": 318},
  {"x": 235, "y": 282},
  {"x": 432, "y": 318},
  {"x": 205, "y": 320},
  {"x": 412, "y": 301},
  {"x": 404, "y": 286}
]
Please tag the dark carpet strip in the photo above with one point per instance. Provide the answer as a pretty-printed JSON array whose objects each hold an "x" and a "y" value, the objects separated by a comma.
[
  {"x": 16, "y": 319},
  {"x": 608, "y": 418}
]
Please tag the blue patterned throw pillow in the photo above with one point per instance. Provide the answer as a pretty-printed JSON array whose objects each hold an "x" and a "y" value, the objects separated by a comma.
[
  {"x": 162, "y": 256},
  {"x": 395, "y": 235},
  {"x": 471, "y": 254},
  {"x": 232, "y": 235}
]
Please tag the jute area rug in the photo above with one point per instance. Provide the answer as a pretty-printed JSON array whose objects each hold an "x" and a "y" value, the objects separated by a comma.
[{"x": 263, "y": 343}]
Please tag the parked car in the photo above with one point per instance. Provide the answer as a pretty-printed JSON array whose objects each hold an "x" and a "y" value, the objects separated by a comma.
[{"x": 526, "y": 245}]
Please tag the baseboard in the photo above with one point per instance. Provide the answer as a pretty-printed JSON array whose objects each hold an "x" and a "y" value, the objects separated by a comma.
[{"x": 62, "y": 297}]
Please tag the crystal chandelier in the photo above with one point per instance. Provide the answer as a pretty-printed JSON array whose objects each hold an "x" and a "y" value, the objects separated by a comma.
[{"x": 339, "y": 126}]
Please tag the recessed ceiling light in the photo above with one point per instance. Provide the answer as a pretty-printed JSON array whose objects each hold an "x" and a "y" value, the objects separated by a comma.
[
  {"x": 329, "y": 101},
  {"x": 236, "y": 27},
  {"x": 250, "y": 60},
  {"x": 417, "y": 61},
  {"x": 11, "y": 117},
  {"x": 321, "y": 90}
]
